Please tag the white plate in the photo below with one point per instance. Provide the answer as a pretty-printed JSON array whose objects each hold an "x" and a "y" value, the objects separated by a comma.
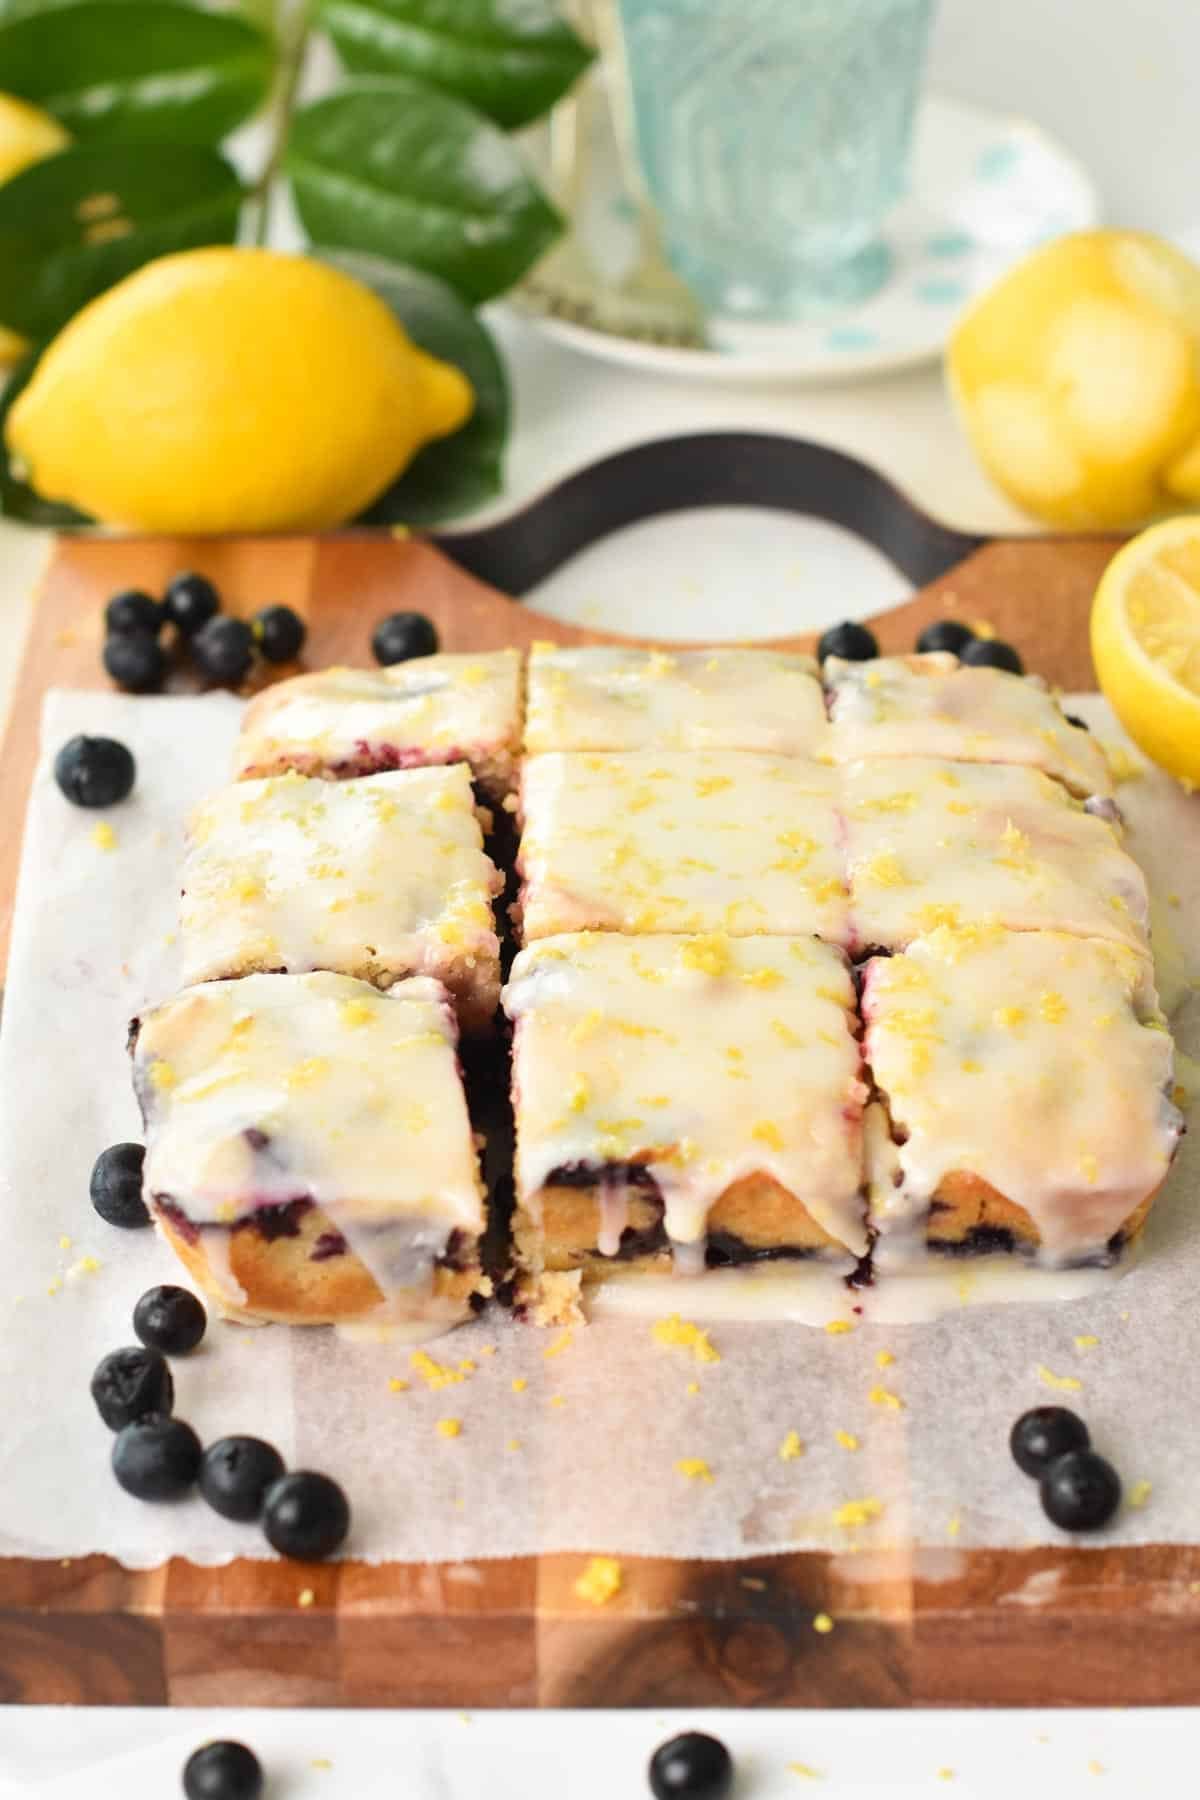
[{"x": 985, "y": 189}]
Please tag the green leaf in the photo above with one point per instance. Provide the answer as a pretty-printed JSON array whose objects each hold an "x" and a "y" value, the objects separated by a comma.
[
  {"x": 510, "y": 58},
  {"x": 137, "y": 69},
  {"x": 17, "y": 498},
  {"x": 402, "y": 171},
  {"x": 75, "y": 223},
  {"x": 460, "y": 472}
]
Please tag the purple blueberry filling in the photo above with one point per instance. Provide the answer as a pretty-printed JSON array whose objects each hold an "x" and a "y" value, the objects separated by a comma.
[
  {"x": 329, "y": 1244},
  {"x": 591, "y": 1174}
]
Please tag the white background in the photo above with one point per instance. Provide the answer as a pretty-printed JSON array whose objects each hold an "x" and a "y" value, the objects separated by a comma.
[{"x": 1116, "y": 81}]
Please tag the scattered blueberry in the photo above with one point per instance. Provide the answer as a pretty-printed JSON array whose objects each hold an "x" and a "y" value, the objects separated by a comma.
[
  {"x": 222, "y": 1771},
  {"x": 130, "y": 1383},
  {"x": 224, "y": 649},
  {"x": 992, "y": 653},
  {"x": 169, "y": 1319},
  {"x": 1043, "y": 1434},
  {"x": 692, "y": 1766},
  {"x": 94, "y": 771},
  {"x": 854, "y": 643},
  {"x": 1079, "y": 724},
  {"x": 116, "y": 1186},
  {"x": 132, "y": 611},
  {"x": 136, "y": 662},
  {"x": 946, "y": 634},
  {"x": 236, "y": 1473},
  {"x": 402, "y": 636},
  {"x": 305, "y": 1515},
  {"x": 279, "y": 633},
  {"x": 1080, "y": 1491},
  {"x": 190, "y": 602},
  {"x": 156, "y": 1458}
]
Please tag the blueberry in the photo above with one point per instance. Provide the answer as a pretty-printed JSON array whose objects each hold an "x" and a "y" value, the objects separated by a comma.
[
  {"x": 224, "y": 649},
  {"x": 94, "y": 771},
  {"x": 132, "y": 610},
  {"x": 236, "y": 1473},
  {"x": 992, "y": 653},
  {"x": 279, "y": 633},
  {"x": 156, "y": 1458},
  {"x": 136, "y": 662},
  {"x": 692, "y": 1766},
  {"x": 1080, "y": 1491},
  {"x": 854, "y": 643},
  {"x": 130, "y": 1383},
  {"x": 305, "y": 1515},
  {"x": 169, "y": 1319},
  {"x": 401, "y": 636},
  {"x": 222, "y": 1770},
  {"x": 116, "y": 1186},
  {"x": 190, "y": 602},
  {"x": 1043, "y": 1434},
  {"x": 946, "y": 634}
]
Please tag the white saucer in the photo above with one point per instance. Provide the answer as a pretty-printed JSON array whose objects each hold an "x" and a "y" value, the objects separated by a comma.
[{"x": 985, "y": 189}]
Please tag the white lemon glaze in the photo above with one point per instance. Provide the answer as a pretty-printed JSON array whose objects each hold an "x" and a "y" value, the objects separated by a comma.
[
  {"x": 930, "y": 842},
  {"x": 706, "y": 1058},
  {"x": 660, "y": 840},
  {"x": 612, "y": 698},
  {"x": 935, "y": 706},
  {"x": 380, "y": 877}
]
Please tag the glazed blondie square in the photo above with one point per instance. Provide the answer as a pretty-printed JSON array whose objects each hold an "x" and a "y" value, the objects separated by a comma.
[
  {"x": 684, "y": 1102},
  {"x": 667, "y": 841},
  {"x": 607, "y": 697},
  {"x": 308, "y": 1150},
  {"x": 1025, "y": 1082},
  {"x": 434, "y": 709},
  {"x": 378, "y": 877}
]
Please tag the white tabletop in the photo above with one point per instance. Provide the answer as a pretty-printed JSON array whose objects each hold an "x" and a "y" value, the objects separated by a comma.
[{"x": 1114, "y": 82}]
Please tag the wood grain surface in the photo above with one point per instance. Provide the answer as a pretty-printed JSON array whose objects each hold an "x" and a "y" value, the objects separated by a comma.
[{"x": 933, "y": 1626}]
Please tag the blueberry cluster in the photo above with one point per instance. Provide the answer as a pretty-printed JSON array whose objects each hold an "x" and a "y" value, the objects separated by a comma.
[
  {"x": 854, "y": 643},
  {"x": 221, "y": 647},
  {"x": 1079, "y": 1490},
  {"x": 156, "y": 1456}
]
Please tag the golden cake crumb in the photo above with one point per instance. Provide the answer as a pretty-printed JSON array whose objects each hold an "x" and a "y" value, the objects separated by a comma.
[
  {"x": 449, "y": 1428},
  {"x": 881, "y": 1396},
  {"x": 488, "y": 1349},
  {"x": 791, "y": 1447},
  {"x": 103, "y": 836},
  {"x": 1096, "y": 1768},
  {"x": 519, "y": 1384},
  {"x": 556, "y": 1400},
  {"x": 823, "y": 1623},
  {"x": 1086, "y": 1341},
  {"x": 953, "y": 1525},
  {"x": 554, "y": 1298},
  {"x": 1066, "y": 1384},
  {"x": 693, "y": 1387},
  {"x": 857, "y": 1512},
  {"x": 945, "y": 1774},
  {"x": 836, "y": 1327},
  {"x": 846, "y": 1439},
  {"x": 306, "y": 1597},
  {"x": 674, "y": 1333},
  {"x": 693, "y": 1468},
  {"x": 884, "y": 1359},
  {"x": 563, "y": 1342},
  {"x": 600, "y": 1580},
  {"x": 805, "y": 1772},
  {"x": 1140, "y": 1492},
  {"x": 398, "y": 1386},
  {"x": 320, "y": 1762}
]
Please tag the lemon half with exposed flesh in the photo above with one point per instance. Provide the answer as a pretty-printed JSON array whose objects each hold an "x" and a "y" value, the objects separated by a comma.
[{"x": 1146, "y": 643}]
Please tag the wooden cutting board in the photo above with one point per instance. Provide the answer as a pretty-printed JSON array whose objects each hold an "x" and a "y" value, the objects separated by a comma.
[{"x": 913, "y": 1626}]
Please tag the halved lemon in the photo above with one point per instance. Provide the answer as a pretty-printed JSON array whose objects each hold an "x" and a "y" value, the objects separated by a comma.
[{"x": 1146, "y": 643}]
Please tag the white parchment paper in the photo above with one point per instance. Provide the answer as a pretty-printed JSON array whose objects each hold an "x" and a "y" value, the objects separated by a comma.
[{"x": 583, "y": 1457}]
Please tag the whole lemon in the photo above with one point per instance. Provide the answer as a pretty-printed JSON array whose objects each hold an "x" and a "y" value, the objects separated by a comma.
[
  {"x": 26, "y": 135},
  {"x": 1077, "y": 378},
  {"x": 231, "y": 390}
]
